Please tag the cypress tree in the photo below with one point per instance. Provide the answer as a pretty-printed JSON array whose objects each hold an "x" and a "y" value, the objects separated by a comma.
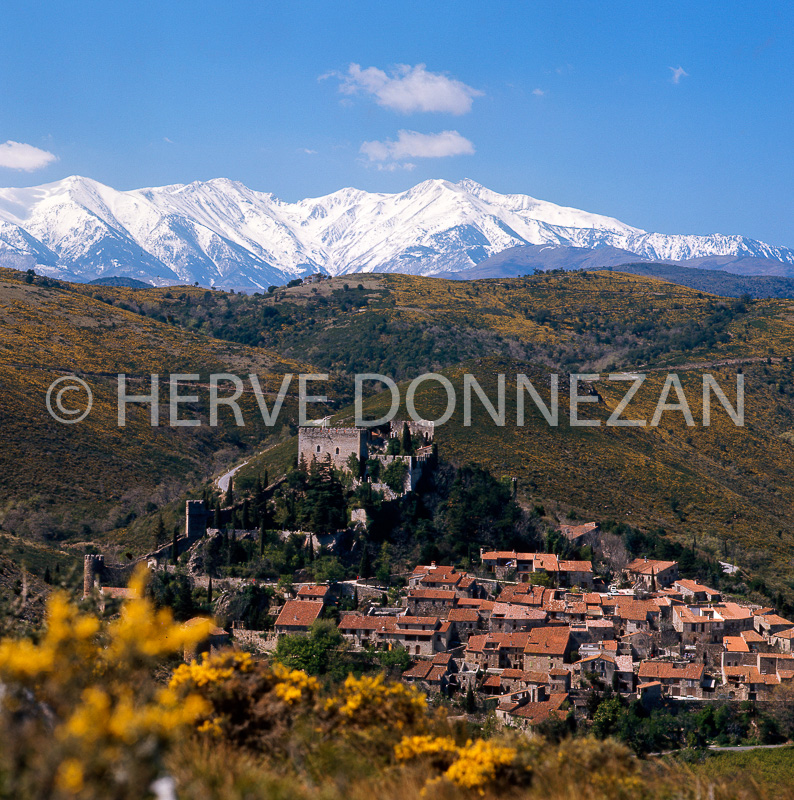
[
  {"x": 160, "y": 534},
  {"x": 406, "y": 445},
  {"x": 365, "y": 565},
  {"x": 246, "y": 523},
  {"x": 262, "y": 540},
  {"x": 216, "y": 518},
  {"x": 209, "y": 592},
  {"x": 229, "y": 500},
  {"x": 471, "y": 702},
  {"x": 174, "y": 546}
]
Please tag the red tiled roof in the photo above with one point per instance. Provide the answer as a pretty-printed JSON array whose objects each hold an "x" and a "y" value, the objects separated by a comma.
[
  {"x": 666, "y": 670},
  {"x": 515, "y": 611},
  {"x": 575, "y": 531},
  {"x": 358, "y": 622},
  {"x": 694, "y": 586},
  {"x": 550, "y": 641},
  {"x": 405, "y": 621},
  {"x": 431, "y": 594},
  {"x": 473, "y": 602},
  {"x": 648, "y": 566},
  {"x": 463, "y": 615},
  {"x": 576, "y": 566},
  {"x": 538, "y": 712},
  {"x": 299, "y": 613},
  {"x": 419, "y": 670},
  {"x": 313, "y": 591}
]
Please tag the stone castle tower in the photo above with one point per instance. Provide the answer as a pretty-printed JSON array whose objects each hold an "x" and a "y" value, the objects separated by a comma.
[{"x": 338, "y": 443}]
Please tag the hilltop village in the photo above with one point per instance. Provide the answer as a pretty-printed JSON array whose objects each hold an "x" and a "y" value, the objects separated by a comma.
[{"x": 528, "y": 635}]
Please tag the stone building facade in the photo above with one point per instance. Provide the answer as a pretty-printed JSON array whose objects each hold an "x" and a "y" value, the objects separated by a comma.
[{"x": 338, "y": 443}]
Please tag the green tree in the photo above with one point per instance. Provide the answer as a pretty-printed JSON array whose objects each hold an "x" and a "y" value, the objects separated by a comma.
[
  {"x": 394, "y": 476},
  {"x": 383, "y": 563},
  {"x": 605, "y": 719},
  {"x": 365, "y": 564},
  {"x": 175, "y": 546},
  {"x": 318, "y": 652},
  {"x": 160, "y": 536},
  {"x": 471, "y": 701},
  {"x": 406, "y": 445}
]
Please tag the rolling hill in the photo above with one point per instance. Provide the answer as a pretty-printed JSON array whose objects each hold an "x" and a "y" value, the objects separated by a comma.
[
  {"x": 83, "y": 480},
  {"x": 728, "y": 486}
]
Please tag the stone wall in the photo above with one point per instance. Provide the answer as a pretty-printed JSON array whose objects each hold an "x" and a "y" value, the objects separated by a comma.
[
  {"x": 258, "y": 640},
  {"x": 422, "y": 428},
  {"x": 338, "y": 443}
]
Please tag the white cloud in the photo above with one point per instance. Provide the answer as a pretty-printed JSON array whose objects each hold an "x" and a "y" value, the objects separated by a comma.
[
  {"x": 26, "y": 157},
  {"x": 538, "y": 92},
  {"x": 410, "y": 144},
  {"x": 678, "y": 73},
  {"x": 410, "y": 89},
  {"x": 167, "y": 140},
  {"x": 308, "y": 151}
]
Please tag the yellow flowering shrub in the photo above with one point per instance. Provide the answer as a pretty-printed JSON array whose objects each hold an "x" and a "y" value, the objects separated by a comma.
[
  {"x": 211, "y": 669},
  {"x": 473, "y": 766},
  {"x": 81, "y": 714},
  {"x": 249, "y": 702},
  {"x": 371, "y": 702},
  {"x": 293, "y": 685}
]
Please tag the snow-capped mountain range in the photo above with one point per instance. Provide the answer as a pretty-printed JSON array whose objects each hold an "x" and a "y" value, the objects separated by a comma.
[{"x": 221, "y": 233}]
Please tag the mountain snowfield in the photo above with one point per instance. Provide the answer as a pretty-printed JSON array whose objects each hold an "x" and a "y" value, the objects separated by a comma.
[{"x": 221, "y": 233}]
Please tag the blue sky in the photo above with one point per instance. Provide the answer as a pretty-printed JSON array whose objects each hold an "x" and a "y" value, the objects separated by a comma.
[{"x": 676, "y": 117}]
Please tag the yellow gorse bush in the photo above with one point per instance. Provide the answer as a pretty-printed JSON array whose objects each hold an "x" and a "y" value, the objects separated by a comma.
[
  {"x": 293, "y": 685},
  {"x": 478, "y": 762},
  {"x": 474, "y": 765},
  {"x": 371, "y": 701},
  {"x": 81, "y": 712},
  {"x": 211, "y": 669}
]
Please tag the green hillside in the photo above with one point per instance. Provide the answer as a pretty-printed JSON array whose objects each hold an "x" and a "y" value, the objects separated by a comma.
[
  {"x": 729, "y": 487},
  {"x": 85, "y": 480}
]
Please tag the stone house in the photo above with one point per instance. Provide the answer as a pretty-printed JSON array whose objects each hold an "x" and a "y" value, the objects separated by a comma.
[
  {"x": 694, "y": 592},
  {"x": 581, "y": 535},
  {"x": 678, "y": 680},
  {"x": 467, "y": 621},
  {"x": 548, "y": 648},
  {"x": 297, "y": 616},
  {"x": 651, "y": 574},
  {"x": 430, "y": 601},
  {"x": 497, "y": 650},
  {"x": 509, "y": 618}
]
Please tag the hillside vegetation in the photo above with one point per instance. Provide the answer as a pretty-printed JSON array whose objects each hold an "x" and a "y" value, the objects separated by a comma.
[
  {"x": 403, "y": 325},
  {"x": 729, "y": 487},
  {"x": 80, "y": 480}
]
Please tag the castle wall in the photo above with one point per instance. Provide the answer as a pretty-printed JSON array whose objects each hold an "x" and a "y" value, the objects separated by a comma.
[
  {"x": 423, "y": 428},
  {"x": 338, "y": 443}
]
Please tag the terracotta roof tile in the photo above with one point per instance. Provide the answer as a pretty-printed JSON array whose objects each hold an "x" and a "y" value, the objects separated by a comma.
[{"x": 299, "y": 613}]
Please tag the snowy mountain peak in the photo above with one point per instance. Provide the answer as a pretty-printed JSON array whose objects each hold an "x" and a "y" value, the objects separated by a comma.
[{"x": 220, "y": 232}]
